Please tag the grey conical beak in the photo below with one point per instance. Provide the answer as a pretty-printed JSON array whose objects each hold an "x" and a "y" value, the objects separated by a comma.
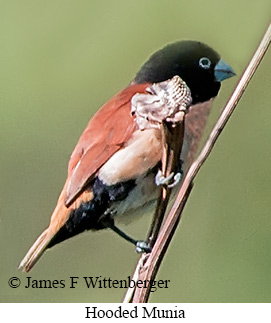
[{"x": 223, "y": 71}]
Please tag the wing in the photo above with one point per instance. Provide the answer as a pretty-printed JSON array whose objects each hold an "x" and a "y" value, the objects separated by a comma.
[{"x": 109, "y": 129}]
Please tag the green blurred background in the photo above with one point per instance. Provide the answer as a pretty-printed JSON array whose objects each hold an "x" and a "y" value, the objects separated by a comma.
[{"x": 60, "y": 61}]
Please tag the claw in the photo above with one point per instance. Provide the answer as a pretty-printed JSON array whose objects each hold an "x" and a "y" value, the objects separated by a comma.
[
  {"x": 177, "y": 178},
  {"x": 141, "y": 246},
  {"x": 162, "y": 180}
]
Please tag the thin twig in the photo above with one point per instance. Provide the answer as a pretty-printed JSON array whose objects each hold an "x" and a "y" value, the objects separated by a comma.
[
  {"x": 172, "y": 143},
  {"x": 151, "y": 266}
]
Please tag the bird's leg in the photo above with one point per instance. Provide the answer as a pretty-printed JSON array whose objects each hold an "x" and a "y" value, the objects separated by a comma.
[{"x": 141, "y": 246}]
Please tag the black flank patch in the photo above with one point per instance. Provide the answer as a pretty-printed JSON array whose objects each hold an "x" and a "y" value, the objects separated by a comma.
[{"x": 87, "y": 216}]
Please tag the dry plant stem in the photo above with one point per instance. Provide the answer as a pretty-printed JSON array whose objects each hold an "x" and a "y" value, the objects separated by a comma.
[
  {"x": 130, "y": 291},
  {"x": 152, "y": 264},
  {"x": 150, "y": 268},
  {"x": 172, "y": 143}
]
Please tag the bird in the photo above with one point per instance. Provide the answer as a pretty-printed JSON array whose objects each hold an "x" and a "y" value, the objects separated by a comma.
[{"x": 112, "y": 169}]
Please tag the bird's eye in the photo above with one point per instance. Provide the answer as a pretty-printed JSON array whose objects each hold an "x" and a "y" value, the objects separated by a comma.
[{"x": 205, "y": 63}]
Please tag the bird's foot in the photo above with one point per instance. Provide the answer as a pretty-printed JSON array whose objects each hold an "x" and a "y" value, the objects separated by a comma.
[
  {"x": 162, "y": 180},
  {"x": 142, "y": 246}
]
